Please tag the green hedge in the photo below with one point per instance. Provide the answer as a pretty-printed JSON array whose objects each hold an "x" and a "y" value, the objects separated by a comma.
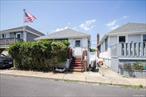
[
  {"x": 40, "y": 56},
  {"x": 134, "y": 67}
]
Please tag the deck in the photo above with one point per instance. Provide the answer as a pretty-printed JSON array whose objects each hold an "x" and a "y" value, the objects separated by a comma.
[
  {"x": 4, "y": 43},
  {"x": 135, "y": 51}
]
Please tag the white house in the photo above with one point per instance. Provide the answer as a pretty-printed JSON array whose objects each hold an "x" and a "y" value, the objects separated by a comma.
[
  {"x": 126, "y": 44},
  {"x": 79, "y": 42}
]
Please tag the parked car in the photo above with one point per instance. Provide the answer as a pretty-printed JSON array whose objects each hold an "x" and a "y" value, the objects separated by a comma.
[{"x": 5, "y": 61}]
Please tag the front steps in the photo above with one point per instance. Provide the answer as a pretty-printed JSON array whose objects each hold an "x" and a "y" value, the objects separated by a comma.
[{"x": 76, "y": 65}]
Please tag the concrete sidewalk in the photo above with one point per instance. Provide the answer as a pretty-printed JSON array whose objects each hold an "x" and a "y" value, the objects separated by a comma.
[{"x": 102, "y": 77}]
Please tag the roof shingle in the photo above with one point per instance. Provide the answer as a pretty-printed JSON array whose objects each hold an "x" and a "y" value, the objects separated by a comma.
[{"x": 67, "y": 33}]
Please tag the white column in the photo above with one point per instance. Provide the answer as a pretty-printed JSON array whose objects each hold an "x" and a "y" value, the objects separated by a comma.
[{"x": 24, "y": 36}]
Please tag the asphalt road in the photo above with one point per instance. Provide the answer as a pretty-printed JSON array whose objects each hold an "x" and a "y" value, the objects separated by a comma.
[{"x": 12, "y": 86}]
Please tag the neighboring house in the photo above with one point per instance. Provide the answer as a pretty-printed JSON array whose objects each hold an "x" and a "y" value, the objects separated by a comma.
[
  {"x": 126, "y": 44},
  {"x": 79, "y": 42},
  {"x": 11, "y": 36}
]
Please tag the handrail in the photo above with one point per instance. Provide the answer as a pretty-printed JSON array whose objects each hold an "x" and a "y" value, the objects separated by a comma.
[{"x": 84, "y": 59}]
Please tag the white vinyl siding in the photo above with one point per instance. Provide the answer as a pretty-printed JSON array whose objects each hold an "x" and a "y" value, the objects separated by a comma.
[{"x": 134, "y": 38}]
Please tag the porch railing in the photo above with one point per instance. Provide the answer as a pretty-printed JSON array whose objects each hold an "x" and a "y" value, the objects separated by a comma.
[
  {"x": 137, "y": 49},
  {"x": 9, "y": 41}
]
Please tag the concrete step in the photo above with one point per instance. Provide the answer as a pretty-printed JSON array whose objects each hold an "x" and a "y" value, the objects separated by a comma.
[
  {"x": 77, "y": 67},
  {"x": 74, "y": 65},
  {"x": 77, "y": 70}
]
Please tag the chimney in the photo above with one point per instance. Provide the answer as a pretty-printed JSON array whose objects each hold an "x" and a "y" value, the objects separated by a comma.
[{"x": 98, "y": 38}]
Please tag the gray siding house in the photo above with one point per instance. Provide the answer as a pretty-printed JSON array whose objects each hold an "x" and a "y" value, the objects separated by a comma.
[
  {"x": 11, "y": 36},
  {"x": 126, "y": 44}
]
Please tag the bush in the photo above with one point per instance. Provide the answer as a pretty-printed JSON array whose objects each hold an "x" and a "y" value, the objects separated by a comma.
[
  {"x": 134, "y": 66},
  {"x": 138, "y": 66},
  {"x": 41, "y": 55},
  {"x": 128, "y": 67}
]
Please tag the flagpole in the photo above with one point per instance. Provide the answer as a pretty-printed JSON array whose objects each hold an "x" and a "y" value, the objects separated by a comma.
[
  {"x": 29, "y": 18},
  {"x": 24, "y": 33}
]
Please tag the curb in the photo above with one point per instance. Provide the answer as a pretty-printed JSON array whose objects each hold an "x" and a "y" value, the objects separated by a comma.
[{"x": 77, "y": 81}]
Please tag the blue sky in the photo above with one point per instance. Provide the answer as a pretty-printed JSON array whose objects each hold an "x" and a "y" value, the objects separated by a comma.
[{"x": 89, "y": 16}]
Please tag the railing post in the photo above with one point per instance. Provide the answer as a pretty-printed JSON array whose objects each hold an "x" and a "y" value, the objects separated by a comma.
[
  {"x": 128, "y": 49},
  {"x": 141, "y": 49},
  {"x": 119, "y": 50},
  {"x": 137, "y": 49},
  {"x": 132, "y": 49},
  {"x": 122, "y": 49}
]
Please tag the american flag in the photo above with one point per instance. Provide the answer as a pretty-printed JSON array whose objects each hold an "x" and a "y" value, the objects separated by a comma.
[{"x": 29, "y": 18}]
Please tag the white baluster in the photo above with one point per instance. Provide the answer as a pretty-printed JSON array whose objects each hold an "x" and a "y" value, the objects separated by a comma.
[
  {"x": 137, "y": 48},
  {"x": 141, "y": 49},
  {"x": 124, "y": 49}
]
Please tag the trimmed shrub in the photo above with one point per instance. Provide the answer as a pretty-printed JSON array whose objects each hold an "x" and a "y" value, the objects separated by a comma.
[
  {"x": 41, "y": 55},
  {"x": 128, "y": 67},
  {"x": 138, "y": 66}
]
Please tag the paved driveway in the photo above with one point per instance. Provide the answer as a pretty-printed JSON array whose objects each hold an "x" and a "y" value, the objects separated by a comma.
[{"x": 12, "y": 86}]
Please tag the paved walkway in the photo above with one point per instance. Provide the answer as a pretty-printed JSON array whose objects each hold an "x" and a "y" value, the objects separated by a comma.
[{"x": 104, "y": 76}]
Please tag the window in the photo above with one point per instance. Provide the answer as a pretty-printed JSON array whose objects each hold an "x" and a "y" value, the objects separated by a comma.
[
  {"x": 18, "y": 35},
  {"x": 77, "y": 43},
  {"x": 106, "y": 44},
  {"x": 3, "y": 35},
  {"x": 121, "y": 38},
  {"x": 144, "y": 38}
]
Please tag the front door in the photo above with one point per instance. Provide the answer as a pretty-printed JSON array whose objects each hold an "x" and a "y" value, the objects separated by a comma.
[{"x": 77, "y": 51}]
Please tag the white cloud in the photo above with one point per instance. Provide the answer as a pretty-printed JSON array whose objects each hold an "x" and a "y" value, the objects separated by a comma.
[
  {"x": 114, "y": 27},
  {"x": 125, "y": 17},
  {"x": 88, "y": 25},
  {"x": 112, "y": 23},
  {"x": 63, "y": 28}
]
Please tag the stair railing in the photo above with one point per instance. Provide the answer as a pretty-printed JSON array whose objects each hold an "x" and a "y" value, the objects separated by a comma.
[{"x": 84, "y": 59}]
